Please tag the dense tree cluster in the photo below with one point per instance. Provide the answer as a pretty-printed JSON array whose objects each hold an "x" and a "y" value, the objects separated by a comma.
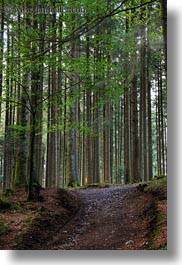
[{"x": 82, "y": 92}]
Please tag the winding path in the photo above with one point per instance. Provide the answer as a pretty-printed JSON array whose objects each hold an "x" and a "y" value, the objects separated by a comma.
[{"x": 109, "y": 218}]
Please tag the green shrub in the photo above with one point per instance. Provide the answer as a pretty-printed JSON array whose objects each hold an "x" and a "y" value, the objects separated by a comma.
[
  {"x": 158, "y": 187},
  {"x": 73, "y": 184}
]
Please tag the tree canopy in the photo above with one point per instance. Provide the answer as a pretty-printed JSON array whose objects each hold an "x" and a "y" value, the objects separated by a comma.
[{"x": 83, "y": 96}]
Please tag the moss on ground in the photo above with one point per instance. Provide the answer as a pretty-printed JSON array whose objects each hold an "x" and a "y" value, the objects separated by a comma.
[
  {"x": 155, "y": 231},
  {"x": 4, "y": 229},
  {"x": 29, "y": 219},
  {"x": 158, "y": 188},
  {"x": 157, "y": 219},
  {"x": 98, "y": 185}
]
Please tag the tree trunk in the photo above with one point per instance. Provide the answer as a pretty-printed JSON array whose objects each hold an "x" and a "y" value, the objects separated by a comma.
[
  {"x": 149, "y": 111},
  {"x": 20, "y": 175},
  {"x": 143, "y": 100},
  {"x": 164, "y": 28},
  {"x": 134, "y": 128},
  {"x": 126, "y": 136},
  {"x": 31, "y": 173},
  {"x": 1, "y": 51},
  {"x": 74, "y": 122}
]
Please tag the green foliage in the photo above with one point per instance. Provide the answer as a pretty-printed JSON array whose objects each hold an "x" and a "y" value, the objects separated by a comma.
[
  {"x": 158, "y": 187},
  {"x": 73, "y": 184},
  {"x": 17, "y": 206},
  {"x": 8, "y": 192},
  {"x": 40, "y": 209},
  {"x": 4, "y": 229},
  {"x": 28, "y": 219},
  {"x": 97, "y": 185},
  {"x": 92, "y": 52},
  {"x": 1, "y": 178}
]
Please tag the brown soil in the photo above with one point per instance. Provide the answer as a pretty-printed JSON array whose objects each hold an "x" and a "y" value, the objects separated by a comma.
[
  {"x": 32, "y": 224},
  {"x": 115, "y": 218}
]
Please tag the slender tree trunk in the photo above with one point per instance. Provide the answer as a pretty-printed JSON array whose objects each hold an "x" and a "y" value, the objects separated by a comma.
[
  {"x": 143, "y": 100},
  {"x": 1, "y": 51},
  {"x": 48, "y": 151},
  {"x": 134, "y": 128},
  {"x": 164, "y": 28},
  {"x": 89, "y": 162},
  {"x": 74, "y": 121},
  {"x": 65, "y": 141},
  {"x": 96, "y": 139},
  {"x": 126, "y": 136},
  {"x": 107, "y": 134},
  {"x": 39, "y": 148},
  {"x": 31, "y": 157},
  {"x": 162, "y": 125},
  {"x": 107, "y": 162},
  {"x": 9, "y": 137},
  {"x": 33, "y": 184},
  {"x": 126, "y": 120},
  {"x": 20, "y": 175},
  {"x": 149, "y": 111},
  {"x": 159, "y": 127}
]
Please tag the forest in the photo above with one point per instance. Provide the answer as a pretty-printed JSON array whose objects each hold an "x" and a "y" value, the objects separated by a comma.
[{"x": 83, "y": 94}]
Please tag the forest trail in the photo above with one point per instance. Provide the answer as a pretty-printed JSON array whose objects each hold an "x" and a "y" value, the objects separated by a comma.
[
  {"x": 131, "y": 217},
  {"x": 109, "y": 218}
]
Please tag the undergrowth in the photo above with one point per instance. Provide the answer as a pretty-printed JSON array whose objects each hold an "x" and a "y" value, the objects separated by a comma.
[{"x": 157, "y": 219}]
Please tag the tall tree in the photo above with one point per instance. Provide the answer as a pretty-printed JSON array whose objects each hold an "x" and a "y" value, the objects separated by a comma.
[
  {"x": 164, "y": 28},
  {"x": 1, "y": 51},
  {"x": 83, "y": 96}
]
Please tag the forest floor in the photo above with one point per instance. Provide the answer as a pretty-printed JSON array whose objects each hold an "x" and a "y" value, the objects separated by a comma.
[{"x": 132, "y": 217}]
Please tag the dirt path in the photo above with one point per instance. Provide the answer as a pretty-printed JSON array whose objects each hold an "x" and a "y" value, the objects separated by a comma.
[
  {"x": 122, "y": 218},
  {"x": 109, "y": 218}
]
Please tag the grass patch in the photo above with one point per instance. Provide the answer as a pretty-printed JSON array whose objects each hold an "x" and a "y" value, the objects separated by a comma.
[
  {"x": 98, "y": 185},
  {"x": 158, "y": 188},
  {"x": 17, "y": 206},
  {"x": 28, "y": 219},
  {"x": 157, "y": 217},
  {"x": 41, "y": 209},
  {"x": 4, "y": 229}
]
